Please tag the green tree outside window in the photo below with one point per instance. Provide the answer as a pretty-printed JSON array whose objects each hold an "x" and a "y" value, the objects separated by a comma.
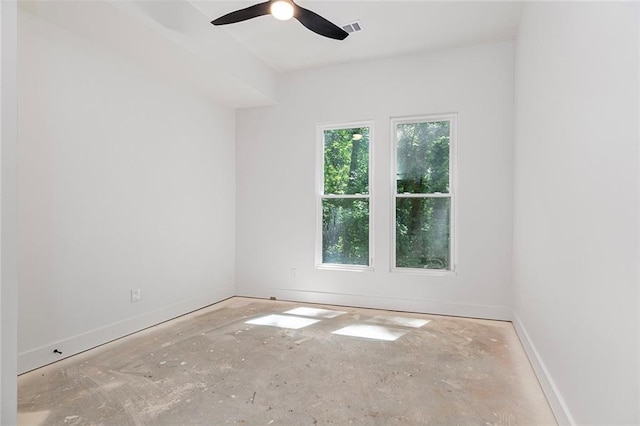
[{"x": 345, "y": 199}]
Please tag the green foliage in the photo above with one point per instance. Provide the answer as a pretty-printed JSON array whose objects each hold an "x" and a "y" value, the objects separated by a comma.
[
  {"x": 345, "y": 231},
  {"x": 422, "y": 233},
  {"x": 423, "y": 157},
  {"x": 345, "y": 222},
  {"x": 422, "y": 224},
  {"x": 346, "y": 161}
]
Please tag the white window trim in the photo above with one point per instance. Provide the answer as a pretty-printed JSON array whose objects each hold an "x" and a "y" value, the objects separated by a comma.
[
  {"x": 453, "y": 171},
  {"x": 320, "y": 128}
]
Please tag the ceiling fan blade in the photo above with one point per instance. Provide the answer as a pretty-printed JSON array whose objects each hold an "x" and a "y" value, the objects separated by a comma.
[
  {"x": 318, "y": 24},
  {"x": 244, "y": 14}
]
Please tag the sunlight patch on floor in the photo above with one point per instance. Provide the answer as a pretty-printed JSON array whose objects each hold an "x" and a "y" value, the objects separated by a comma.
[
  {"x": 35, "y": 418},
  {"x": 314, "y": 312},
  {"x": 375, "y": 332},
  {"x": 283, "y": 321},
  {"x": 401, "y": 321}
]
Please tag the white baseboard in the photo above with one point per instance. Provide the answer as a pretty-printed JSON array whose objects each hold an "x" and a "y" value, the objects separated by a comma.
[
  {"x": 43, "y": 355},
  {"x": 557, "y": 403},
  {"x": 395, "y": 304}
]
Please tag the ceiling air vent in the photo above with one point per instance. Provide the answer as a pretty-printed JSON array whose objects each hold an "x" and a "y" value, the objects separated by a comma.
[{"x": 353, "y": 27}]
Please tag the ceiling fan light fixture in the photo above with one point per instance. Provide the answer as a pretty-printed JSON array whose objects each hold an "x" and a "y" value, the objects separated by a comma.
[
  {"x": 285, "y": 9},
  {"x": 282, "y": 10}
]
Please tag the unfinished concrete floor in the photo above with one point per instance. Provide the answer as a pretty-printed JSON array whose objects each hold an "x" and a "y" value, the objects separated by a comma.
[{"x": 213, "y": 368}]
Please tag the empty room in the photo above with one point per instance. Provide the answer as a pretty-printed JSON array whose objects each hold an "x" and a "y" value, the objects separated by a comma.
[{"x": 324, "y": 212}]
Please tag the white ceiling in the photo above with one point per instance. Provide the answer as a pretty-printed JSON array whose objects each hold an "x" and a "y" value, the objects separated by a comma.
[
  {"x": 237, "y": 64},
  {"x": 390, "y": 28}
]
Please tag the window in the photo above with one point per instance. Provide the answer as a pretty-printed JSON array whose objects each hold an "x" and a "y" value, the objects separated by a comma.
[
  {"x": 423, "y": 193},
  {"x": 344, "y": 196}
]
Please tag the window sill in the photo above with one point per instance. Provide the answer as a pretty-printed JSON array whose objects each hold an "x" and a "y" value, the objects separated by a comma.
[
  {"x": 428, "y": 272},
  {"x": 348, "y": 268}
]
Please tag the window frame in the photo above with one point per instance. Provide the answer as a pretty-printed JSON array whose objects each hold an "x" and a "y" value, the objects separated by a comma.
[
  {"x": 320, "y": 195},
  {"x": 453, "y": 234}
]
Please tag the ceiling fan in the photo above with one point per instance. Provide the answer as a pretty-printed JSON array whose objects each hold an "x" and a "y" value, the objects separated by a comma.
[{"x": 283, "y": 10}]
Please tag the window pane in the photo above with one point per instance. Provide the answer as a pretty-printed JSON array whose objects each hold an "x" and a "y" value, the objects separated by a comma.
[
  {"x": 345, "y": 231},
  {"x": 423, "y": 157},
  {"x": 422, "y": 233},
  {"x": 346, "y": 161}
]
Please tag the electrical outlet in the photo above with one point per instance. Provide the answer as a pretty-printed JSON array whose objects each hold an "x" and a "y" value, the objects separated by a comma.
[
  {"x": 135, "y": 295},
  {"x": 293, "y": 272}
]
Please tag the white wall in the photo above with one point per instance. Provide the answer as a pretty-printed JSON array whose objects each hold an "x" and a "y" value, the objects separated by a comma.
[
  {"x": 125, "y": 182},
  {"x": 276, "y": 204},
  {"x": 576, "y": 206},
  {"x": 173, "y": 41},
  {"x": 8, "y": 212}
]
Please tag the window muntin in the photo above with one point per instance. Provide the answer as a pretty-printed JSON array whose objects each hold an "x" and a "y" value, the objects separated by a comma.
[
  {"x": 423, "y": 197},
  {"x": 344, "y": 196}
]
